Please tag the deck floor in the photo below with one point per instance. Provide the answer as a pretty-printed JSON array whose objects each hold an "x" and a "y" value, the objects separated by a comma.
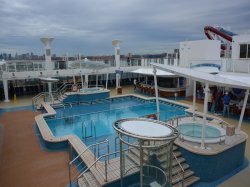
[{"x": 23, "y": 163}]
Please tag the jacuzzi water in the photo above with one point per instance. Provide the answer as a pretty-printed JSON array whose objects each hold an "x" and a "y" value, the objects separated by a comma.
[
  {"x": 193, "y": 132},
  {"x": 90, "y": 90}
]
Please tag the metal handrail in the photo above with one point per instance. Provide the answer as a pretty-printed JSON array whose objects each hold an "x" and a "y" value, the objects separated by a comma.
[
  {"x": 182, "y": 183},
  {"x": 87, "y": 148},
  {"x": 94, "y": 163}
]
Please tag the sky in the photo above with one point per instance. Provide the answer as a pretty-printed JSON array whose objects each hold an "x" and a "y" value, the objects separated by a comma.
[{"x": 87, "y": 27}]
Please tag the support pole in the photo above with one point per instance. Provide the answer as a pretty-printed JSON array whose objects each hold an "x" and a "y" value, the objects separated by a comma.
[
  {"x": 96, "y": 81},
  {"x": 156, "y": 94},
  {"x": 141, "y": 164},
  {"x": 204, "y": 118},
  {"x": 121, "y": 163},
  {"x": 74, "y": 78},
  {"x": 6, "y": 91},
  {"x": 82, "y": 79},
  {"x": 86, "y": 80},
  {"x": 107, "y": 78},
  {"x": 243, "y": 110},
  {"x": 194, "y": 99},
  {"x": 50, "y": 91}
]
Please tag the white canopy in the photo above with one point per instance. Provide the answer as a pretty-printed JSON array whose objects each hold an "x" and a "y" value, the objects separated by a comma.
[
  {"x": 149, "y": 71},
  {"x": 206, "y": 69},
  {"x": 241, "y": 77},
  {"x": 205, "y": 77}
]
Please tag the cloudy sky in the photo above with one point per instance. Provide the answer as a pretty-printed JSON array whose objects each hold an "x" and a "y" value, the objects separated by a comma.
[{"x": 89, "y": 26}]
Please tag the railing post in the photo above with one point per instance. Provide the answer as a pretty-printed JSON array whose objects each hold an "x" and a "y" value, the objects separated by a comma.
[
  {"x": 106, "y": 170},
  {"x": 108, "y": 152},
  {"x": 70, "y": 176},
  {"x": 98, "y": 150},
  {"x": 70, "y": 158}
]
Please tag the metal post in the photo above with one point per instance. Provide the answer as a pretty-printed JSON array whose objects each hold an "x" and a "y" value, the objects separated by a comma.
[
  {"x": 98, "y": 150},
  {"x": 108, "y": 152},
  {"x": 204, "y": 118},
  {"x": 82, "y": 131},
  {"x": 82, "y": 79},
  {"x": 141, "y": 164},
  {"x": 156, "y": 94},
  {"x": 121, "y": 164},
  {"x": 194, "y": 99},
  {"x": 96, "y": 81},
  {"x": 6, "y": 92},
  {"x": 107, "y": 77},
  {"x": 243, "y": 110},
  {"x": 106, "y": 170}
]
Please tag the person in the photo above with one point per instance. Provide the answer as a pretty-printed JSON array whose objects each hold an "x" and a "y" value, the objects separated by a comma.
[
  {"x": 226, "y": 101},
  {"x": 135, "y": 82}
]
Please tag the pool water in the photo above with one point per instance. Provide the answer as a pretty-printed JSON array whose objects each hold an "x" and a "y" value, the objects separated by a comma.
[{"x": 71, "y": 120}]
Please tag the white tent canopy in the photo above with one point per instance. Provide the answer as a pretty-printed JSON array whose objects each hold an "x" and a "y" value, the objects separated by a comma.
[{"x": 149, "y": 71}]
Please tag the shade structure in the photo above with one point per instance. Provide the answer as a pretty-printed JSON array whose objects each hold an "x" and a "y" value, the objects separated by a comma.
[
  {"x": 206, "y": 78},
  {"x": 149, "y": 71}
]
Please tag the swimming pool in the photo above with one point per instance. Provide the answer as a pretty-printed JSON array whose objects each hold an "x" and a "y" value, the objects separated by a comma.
[
  {"x": 193, "y": 132},
  {"x": 92, "y": 121}
]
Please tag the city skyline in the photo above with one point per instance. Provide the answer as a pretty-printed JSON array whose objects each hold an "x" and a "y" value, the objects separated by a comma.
[{"x": 88, "y": 27}]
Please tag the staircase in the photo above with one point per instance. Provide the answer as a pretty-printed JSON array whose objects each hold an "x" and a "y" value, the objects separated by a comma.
[
  {"x": 178, "y": 166},
  {"x": 88, "y": 180}
]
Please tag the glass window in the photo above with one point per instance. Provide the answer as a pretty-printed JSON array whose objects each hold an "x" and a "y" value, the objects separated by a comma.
[{"x": 243, "y": 50}]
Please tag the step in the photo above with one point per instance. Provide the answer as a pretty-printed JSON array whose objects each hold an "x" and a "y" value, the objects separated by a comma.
[
  {"x": 133, "y": 158},
  {"x": 188, "y": 181},
  {"x": 90, "y": 180},
  {"x": 180, "y": 160},
  {"x": 178, "y": 177},
  {"x": 82, "y": 182},
  {"x": 177, "y": 169}
]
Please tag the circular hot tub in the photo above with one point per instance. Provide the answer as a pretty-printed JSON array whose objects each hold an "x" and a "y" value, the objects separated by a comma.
[{"x": 192, "y": 131}]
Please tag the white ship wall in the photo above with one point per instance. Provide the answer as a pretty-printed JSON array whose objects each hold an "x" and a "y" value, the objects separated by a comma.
[
  {"x": 239, "y": 65},
  {"x": 199, "y": 51}
]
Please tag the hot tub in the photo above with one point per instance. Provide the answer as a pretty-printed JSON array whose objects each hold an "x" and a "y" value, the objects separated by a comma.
[{"x": 192, "y": 131}]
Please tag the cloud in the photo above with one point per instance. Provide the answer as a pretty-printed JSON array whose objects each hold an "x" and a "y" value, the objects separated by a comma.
[{"x": 88, "y": 27}]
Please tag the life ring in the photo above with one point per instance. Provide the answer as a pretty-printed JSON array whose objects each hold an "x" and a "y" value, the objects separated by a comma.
[
  {"x": 150, "y": 116},
  {"x": 74, "y": 88}
]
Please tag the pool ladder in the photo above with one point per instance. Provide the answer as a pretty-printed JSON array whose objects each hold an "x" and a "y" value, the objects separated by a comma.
[{"x": 92, "y": 130}]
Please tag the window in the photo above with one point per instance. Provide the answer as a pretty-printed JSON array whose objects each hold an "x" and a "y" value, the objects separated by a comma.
[{"x": 244, "y": 50}]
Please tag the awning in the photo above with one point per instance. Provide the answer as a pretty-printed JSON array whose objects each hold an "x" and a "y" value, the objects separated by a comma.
[
  {"x": 205, "y": 77},
  {"x": 149, "y": 71},
  {"x": 241, "y": 77},
  {"x": 206, "y": 69}
]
